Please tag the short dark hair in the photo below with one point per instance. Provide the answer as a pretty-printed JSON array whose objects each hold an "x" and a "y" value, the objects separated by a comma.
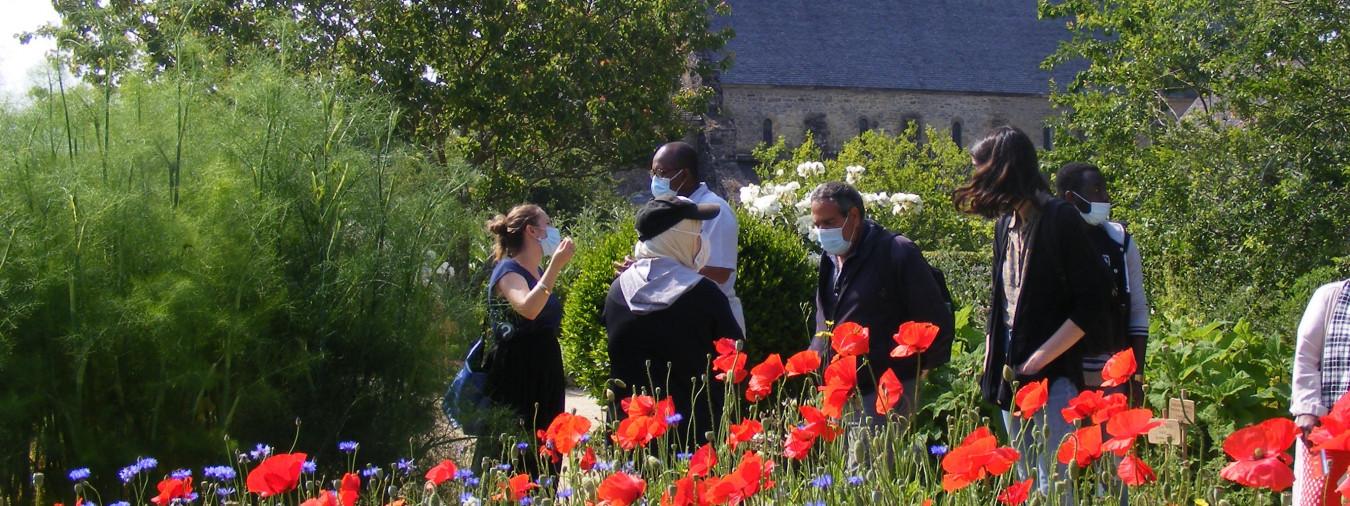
[
  {"x": 1006, "y": 174},
  {"x": 840, "y": 194},
  {"x": 681, "y": 155},
  {"x": 1070, "y": 176}
]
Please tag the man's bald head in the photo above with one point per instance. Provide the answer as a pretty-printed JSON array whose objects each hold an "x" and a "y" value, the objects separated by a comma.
[{"x": 679, "y": 161}]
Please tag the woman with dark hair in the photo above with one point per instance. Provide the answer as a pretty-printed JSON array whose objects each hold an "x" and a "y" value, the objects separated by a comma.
[
  {"x": 525, "y": 369},
  {"x": 1049, "y": 290}
]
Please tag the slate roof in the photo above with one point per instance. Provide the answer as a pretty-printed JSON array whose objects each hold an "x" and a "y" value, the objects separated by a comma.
[{"x": 981, "y": 46}]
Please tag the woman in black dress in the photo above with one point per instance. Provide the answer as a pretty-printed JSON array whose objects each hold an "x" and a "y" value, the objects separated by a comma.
[{"x": 525, "y": 369}]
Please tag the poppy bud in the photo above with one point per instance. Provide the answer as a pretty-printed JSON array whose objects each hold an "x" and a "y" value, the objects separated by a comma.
[
  {"x": 1008, "y": 373},
  {"x": 619, "y": 383},
  {"x": 709, "y": 435},
  {"x": 740, "y": 345},
  {"x": 609, "y": 395},
  {"x": 38, "y": 478},
  {"x": 392, "y": 491},
  {"x": 654, "y": 464}
]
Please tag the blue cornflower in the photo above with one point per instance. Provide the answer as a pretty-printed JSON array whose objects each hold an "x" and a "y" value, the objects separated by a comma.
[
  {"x": 179, "y": 474},
  {"x": 815, "y": 503},
  {"x": 128, "y": 473},
  {"x": 465, "y": 498},
  {"x": 370, "y": 471},
  {"x": 585, "y": 438},
  {"x": 191, "y": 497},
  {"x": 471, "y": 482},
  {"x": 503, "y": 467},
  {"x": 855, "y": 480},
  {"x": 80, "y": 474},
  {"x": 260, "y": 451},
  {"x": 120, "y": 503},
  {"x": 674, "y": 419},
  {"x": 225, "y": 492},
  {"x": 937, "y": 450},
  {"x": 219, "y": 473},
  {"x": 684, "y": 456},
  {"x": 526, "y": 501},
  {"x": 348, "y": 446},
  {"x": 522, "y": 446},
  {"x": 565, "y": 493},
  {"x": 823, "y": 481},
  {"x": 604, "y": 466},
  {"x": 309, "y": 467},
  {"x": 404, "y": 465},
  {"x": 546, "y": 481},
  {"x": 463, "y": 474},
  {"x": 146, "y": 463}
]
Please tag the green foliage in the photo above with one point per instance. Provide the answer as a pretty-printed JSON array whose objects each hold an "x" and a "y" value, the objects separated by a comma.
[
  {"x": 968, "y": 276},
  {"x": 893, "y": 164},
  {"x": 1248, "y": 191},
  {"x": 584, "y": 342},
  {"x": 1236, "y": 376},
  {"x": 539, "y": 94},
  {"x": 188, "y": 266},
  {"x": 775, "y": 280}
]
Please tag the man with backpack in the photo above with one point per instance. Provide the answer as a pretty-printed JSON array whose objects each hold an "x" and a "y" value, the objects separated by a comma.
[
  {"x": 1083, "y": 185},
  {"x": 879, "y": 280}
]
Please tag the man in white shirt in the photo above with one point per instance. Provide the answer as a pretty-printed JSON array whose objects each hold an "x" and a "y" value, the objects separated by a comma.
[{"x": 675, "y": 171}]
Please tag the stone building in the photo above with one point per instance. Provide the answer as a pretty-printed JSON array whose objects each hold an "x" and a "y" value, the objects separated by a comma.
[{"x": 837, "y": 68}]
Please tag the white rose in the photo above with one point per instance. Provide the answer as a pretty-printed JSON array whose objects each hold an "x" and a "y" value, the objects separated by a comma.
[
  {"x": 853, "y": 173},
  {"x": 765, "y": 205},
  {"x": 749, "y": 193},
  {"x": 806, "y": 226}
]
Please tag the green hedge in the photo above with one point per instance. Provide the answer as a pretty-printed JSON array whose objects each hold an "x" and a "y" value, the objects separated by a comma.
[
  {"x": 968, "y": 277},
  {"x": 775, "y": 281}
]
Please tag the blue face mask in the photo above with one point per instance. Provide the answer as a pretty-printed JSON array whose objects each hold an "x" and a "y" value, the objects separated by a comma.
[
  {"x": 661, "y": 186},
  {"x": 550, "y": 241},
  {"x": 832, "y": 239}
]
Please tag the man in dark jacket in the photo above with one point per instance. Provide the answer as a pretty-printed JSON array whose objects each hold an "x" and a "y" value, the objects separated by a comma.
[{"x": 879, "y": 280}]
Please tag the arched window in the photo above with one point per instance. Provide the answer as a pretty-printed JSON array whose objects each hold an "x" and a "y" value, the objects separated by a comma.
[
  {"x": 819, "y": 127},
  {"x": 863, "y": 126},
  {"x": 768, "y": 131},
  {"x": 1048, "y": 139},
  {"x": 956, "y": 132}
]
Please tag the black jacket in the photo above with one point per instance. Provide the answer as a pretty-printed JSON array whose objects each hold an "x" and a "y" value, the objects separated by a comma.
[
  {"x": 1065, "y": 279},
  {"x": 678, "y": 342},
  {"x": 885, "y": 282}
]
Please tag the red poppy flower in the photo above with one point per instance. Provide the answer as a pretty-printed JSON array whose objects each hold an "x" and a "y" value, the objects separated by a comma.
[
  {"x": 1083, "y": 447},
  {"x": 1016, "y": 493},
  {"x": 519, "y": 486},
  {"x": 1127, "y": 425},
  {"x": 443, "y": 472},
  {"x": 1094, "y": 404},
  {"x": 1135, "y": 472},
  {"x": 889, "y": 391},
  {"x": 977, "y": 457},
  {"x": 170, "y": 489},
  {"x": 799, "y": 443},
  {"x": 840, "y": 378},
  {"x": 325, "y": 498},
  {"x": 913, "y": 338},
  {"x": 686, "y": 492},
  {"x": 849, "y": 339},
  {"x": 1031, "y": 398},
  {"x": 729, "y": 361},
  {"x": 818, "y": 424},
  {"x": 350, "y": 490},
  {"x": 1118, "y": 368},
  {"x": 804, "y": 362},
  {"x": 635, "y": 431},
  {"x": 1333, "y": 430},
  {"x": 762, "y": 377},
  {"x": 704, "y": 459},
  {"x": 563, "y": 434},
  {"x": 588, "y": 459},
  {"x": 1259, "y": 454},
  {"x": 743, "y": 432},
  {"x": 621, "y": 489},
  {"x": 277, "y": 474},
  {"x": 751, "y": 473},
  {"x": 638, "y": 405}
]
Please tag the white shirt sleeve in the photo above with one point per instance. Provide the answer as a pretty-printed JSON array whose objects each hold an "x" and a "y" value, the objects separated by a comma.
[
  {"x": 721, "y": 232},
  {"x": 1306, "y": 398},
  {"x": 1134, "y": 270}
]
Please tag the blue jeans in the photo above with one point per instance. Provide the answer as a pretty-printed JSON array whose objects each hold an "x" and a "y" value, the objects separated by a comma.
[{"x": 1038, "y": 439}]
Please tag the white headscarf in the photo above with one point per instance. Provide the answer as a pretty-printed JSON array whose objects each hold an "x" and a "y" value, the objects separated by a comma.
[{"x": 664, "y": 269}]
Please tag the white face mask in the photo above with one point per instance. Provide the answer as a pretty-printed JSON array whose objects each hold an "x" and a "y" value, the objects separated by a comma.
[{"x": 1098, "y": 212}]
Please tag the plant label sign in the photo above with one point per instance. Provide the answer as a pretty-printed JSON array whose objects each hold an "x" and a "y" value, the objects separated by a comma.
[{"x": 1181, "y": 410}]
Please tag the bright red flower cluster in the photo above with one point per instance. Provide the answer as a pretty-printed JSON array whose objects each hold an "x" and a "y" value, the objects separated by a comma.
[
  {"x": 172, "y": 488},
  {"x": 977, "y": 457},
  {"x": 647, "y": 420},
  {"x": 276, "y": 475},
  {"x": 1259, "y": 455},
  {"x": 762, "y": 378},
  {"x": 730, "y": 362},
  {"x": 562, "y": 435},
  {"x": 750, "y": 477},
  {"x": 913, "y": 338}
]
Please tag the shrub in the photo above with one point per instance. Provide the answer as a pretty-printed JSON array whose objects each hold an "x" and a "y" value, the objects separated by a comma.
[
  {"x": 968, "y": 277},
  {"x": 775, "y": 280},
  {"x": 212, "y": 263}
]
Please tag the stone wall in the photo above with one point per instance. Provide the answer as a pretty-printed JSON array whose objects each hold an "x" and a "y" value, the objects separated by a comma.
[{"x": 839, "y": 113}]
